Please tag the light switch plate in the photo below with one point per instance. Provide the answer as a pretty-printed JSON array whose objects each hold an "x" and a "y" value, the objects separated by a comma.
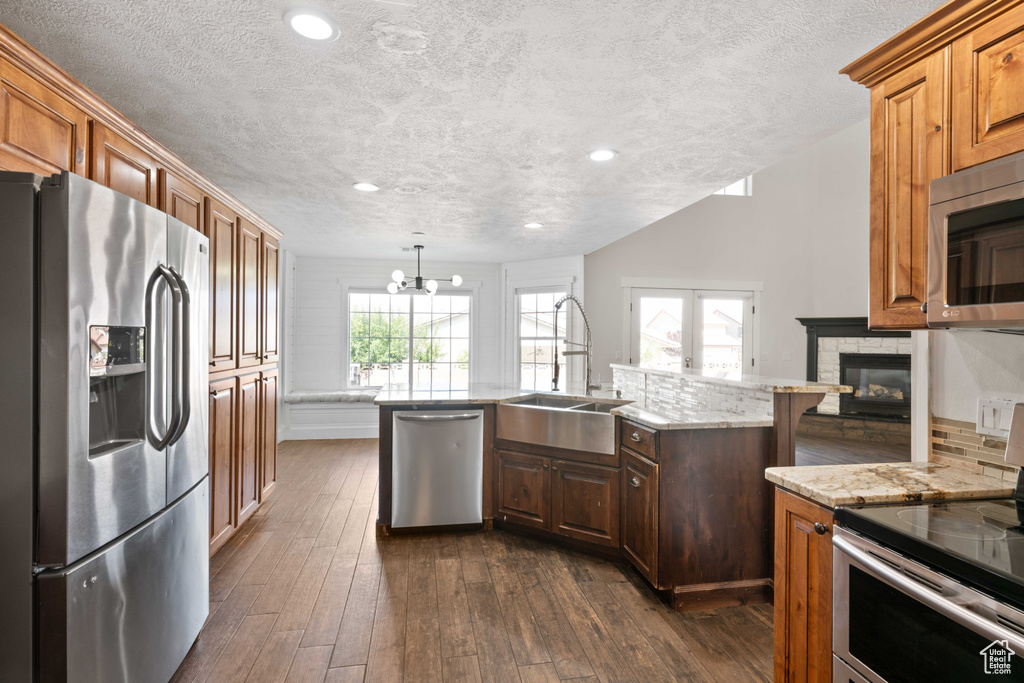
[{"x": 994, "y": 416}]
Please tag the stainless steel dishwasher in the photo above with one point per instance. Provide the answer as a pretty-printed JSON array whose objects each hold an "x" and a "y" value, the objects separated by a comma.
[{"x": 437, "y": 468}]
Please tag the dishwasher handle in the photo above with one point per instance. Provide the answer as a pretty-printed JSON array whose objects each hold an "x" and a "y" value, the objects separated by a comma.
[{"x": 412, "y": 417}]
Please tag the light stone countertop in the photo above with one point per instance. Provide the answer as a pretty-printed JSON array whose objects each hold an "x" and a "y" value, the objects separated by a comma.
[
  {"x": 772, "y": 384},
  {"x": 709, "y": 419},
  {"x": 835, "y": 485}
]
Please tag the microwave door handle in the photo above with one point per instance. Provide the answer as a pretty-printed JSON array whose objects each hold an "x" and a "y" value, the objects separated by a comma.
[
  {"x": 158, "y": 441},
  {"x": 928, "y": 597},
  {"x": 183, "y": 358}
]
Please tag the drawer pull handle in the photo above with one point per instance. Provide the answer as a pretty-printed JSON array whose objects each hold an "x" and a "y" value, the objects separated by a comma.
[
  {"x": 635, "y": 436},
  {"x": 634, "y": 482},
  {"x": 820, "y": 528}
]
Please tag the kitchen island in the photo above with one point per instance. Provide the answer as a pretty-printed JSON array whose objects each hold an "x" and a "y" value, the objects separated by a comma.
[{"x": 667, "y": 473}]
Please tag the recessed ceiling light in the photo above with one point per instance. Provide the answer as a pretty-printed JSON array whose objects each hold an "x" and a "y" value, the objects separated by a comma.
[
  {"x": 365, "y": 187},
  {"x": 312, "y": 24},
  {"x": 533, "y": 226},
  {"x": 419, "y": 233},
  {"x": 602, "y": 155}
]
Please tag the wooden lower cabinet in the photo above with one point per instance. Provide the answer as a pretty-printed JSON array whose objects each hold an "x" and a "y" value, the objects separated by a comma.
[
  {"x": 803, "y": 590},
  {"x": 268, "y": 433},
  {"x": 223, "y": 413},
  {"x": 524, "y": 489},
  {"x": 248, "y": 445},
  {"x": 585, "y": 502},
  {"x": 640, "y": 513}
]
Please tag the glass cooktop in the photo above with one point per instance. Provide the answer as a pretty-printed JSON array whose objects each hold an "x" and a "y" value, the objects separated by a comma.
[{"x": 980, "y": 542}]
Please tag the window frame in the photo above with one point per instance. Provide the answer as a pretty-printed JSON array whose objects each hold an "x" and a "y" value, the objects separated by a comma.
[
  {"x": 467, "y": 289},
  {"x": 517, "y": 331}
]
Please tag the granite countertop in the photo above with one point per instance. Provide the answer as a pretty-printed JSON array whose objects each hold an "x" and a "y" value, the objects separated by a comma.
[
  {"x": 776, "y": 385},
  {"x": 835, "y": 485},
  {"x": 709, "y": 419}
]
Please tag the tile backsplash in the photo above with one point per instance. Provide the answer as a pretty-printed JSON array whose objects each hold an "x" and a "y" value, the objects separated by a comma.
[
  {"x": 664, "y": 393},
  {"x": 957, "y": 443}
]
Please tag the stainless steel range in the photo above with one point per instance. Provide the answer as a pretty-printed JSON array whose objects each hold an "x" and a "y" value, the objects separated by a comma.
[{"x": 104, "y": 495}]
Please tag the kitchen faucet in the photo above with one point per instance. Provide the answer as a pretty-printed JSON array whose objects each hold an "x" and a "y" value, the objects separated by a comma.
[{"x": 588, "y": 347}]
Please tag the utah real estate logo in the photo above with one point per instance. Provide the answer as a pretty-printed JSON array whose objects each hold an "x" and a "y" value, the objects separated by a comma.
[{"x": 997, "y": 657}]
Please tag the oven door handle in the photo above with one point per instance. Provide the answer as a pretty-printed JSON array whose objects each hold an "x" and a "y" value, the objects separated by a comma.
[{"x": 943, "y": 606}]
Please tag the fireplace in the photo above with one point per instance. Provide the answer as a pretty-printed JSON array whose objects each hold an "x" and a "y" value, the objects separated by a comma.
[{"x": 880, "y": 381}]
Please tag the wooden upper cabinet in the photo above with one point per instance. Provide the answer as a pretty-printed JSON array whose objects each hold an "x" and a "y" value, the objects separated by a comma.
[
  {"x": 803, "y": 590},
  {"x": 222, "y": 229},
  {"x": 122, "y": 166},
  {"x": 40, "y": 131},
  {"x": 909, "y": 135},
  {"x": 270, "y": 264},
  {"x": 988, "y": 90},
  {"x": 181, "y": 199},
  {"x": 249, "y": 283}
]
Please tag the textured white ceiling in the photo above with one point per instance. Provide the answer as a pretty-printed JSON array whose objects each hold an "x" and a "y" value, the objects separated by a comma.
[{"x": 474, "y": 116}]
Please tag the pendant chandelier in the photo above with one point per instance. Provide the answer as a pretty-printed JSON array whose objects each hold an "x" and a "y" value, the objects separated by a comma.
[{"x": 428, "y": 287}]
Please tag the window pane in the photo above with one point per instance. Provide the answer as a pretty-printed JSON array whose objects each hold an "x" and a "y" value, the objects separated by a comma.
[
  {"x": 661, "y": 333},
  {"x": 460, "y": 304},
  {"x": 441, "y": 304},
  {"x": 359, "y": 302},
  {"x": 537, "y": 337},
  {"x": 722, "y": 337},
  {"x": 528, "y": 303}
]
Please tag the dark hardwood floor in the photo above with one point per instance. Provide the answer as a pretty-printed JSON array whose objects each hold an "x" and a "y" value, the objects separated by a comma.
[
  {"x": 305, "y": 591},
  {"x": 817, "y": 450}
]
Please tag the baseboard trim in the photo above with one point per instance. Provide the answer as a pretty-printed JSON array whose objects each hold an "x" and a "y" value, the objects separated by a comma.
[
  {"x": 726, "y": 594},
  {"x": 354, "y": 431}
]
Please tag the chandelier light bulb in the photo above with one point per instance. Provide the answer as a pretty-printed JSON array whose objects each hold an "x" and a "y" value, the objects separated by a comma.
[
  {"x": 392, "y": 288},
  {"x": 398, "y": 276},
  {"x": 431, "y": 286},
  {"x": 456, "y": 280}
]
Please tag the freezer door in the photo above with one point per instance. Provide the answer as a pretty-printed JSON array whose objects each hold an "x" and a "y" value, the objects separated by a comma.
[
  {"x": 99, "y": 476},
  {"x": 188, "y": 257},
  {"x": 131, "y": 612}
]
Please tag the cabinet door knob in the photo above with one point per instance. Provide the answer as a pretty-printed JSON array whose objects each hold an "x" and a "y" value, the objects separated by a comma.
[
  {"x": 635, "y": 436},
  {"x": 214, "y": 393},
  {"x": 634, "y": 482},
  {"x": 820, "y": 528}
]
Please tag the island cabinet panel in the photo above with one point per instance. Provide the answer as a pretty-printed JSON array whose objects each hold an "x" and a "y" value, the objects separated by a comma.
[
  {"x": 249, "y": 284},
  {"x": 908, "y": 151},
  {"x": 269, "y": 298},
  {"x": 247, "y": 454},
  {"x": 585, "y": 502},
  {"x": 222, "y": 229},
  {"x": 524, "y": 489},
  {"x": 268, "y": 433},
  {"x": 640, "y": 514},
  {"x": 223, "y": 444},
  {"x": 40, "y": 131},
  {"x": 181, "y": 199},
  {"x": 803, "y": 590},
  {"x": 988, "y": 90},
  {"x": 122, "y": 166}
]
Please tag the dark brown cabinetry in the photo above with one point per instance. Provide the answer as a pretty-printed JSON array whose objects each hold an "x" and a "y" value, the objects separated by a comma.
[
  {"x": 40, "y": 131},
  {"x": 122, "y": 166},
  {"x": 585, "y": 502},
  {"x": 640, "y": 513},
  {"x": 223, "y": 445},
  {"x": 524, "y": 489},
  {"x": 268, "y": 433},
  {"x": 803, "y": 590},
  {"x": 248, "y": 456}
]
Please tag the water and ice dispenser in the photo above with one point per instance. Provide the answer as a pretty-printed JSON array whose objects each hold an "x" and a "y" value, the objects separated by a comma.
[{"x": 117, "y": 387}]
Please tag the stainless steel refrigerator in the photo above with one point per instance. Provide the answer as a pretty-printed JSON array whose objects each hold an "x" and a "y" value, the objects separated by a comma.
[{"x": 104, "y": 494}]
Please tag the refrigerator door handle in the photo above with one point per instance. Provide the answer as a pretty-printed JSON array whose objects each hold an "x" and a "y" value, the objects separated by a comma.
[
  {"x": 183, "y": 358},
  {"x": 162, "y": 274}
]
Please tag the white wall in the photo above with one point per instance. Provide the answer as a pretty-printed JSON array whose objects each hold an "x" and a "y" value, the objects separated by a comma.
[
  {"x": 803, "y": 233},
  {"x": 968, "y": 365}
]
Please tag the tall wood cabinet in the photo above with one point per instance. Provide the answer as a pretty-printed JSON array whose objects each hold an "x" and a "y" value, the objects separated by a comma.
[
  {"x": 946, "y": 94},
  {"x": 49, "y": 122}
]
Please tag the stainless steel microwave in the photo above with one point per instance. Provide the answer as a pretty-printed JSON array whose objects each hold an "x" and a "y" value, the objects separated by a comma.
[{"x": 976, "y": 247}]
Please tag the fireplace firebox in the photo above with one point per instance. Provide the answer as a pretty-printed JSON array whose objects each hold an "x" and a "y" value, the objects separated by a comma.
[{"x": 880, "y": 381}]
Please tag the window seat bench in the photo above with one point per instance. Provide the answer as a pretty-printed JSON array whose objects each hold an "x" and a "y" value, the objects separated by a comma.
[{"x": 343, "y": 396}]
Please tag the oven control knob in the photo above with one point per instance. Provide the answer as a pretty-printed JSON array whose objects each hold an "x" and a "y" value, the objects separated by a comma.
[{"x": 820, "y": 528}]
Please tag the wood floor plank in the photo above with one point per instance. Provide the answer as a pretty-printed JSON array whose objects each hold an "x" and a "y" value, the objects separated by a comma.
[
  {"x": 422, "y": 580},
  {"x": 539, "y": 673},
  {"x": 314, "y": 519},
  {"x": 524, "y": 635},
  {"x": 280, "y": 583},
  {"x": 461, "y": 669},
  {"x": 423, "y": 651},
  {"x": 386, "y": 660},
  {"x": 330, "y": 532},
  {"x": 567, "y": 655},
  {"x": 351, "y": 538},
  {"x": 352, "y": 646},
  {"x": 266, "y": 561},
  {"x": 298, "y": 606},
  {"x": 346, "y": 674},
  {"x": 497, "y": 663},
  {"x": 214, "y": 637},
  {"x": 455, "y": 619},
  {"x": 331, "y": 603},
  {"x": 275, "y": 657},
  {"x": 227, "y": 578},
  {"x": 309, "y": 665},
  {"x": 242, "y": 650},
  {"x": 474, "y": 566}
]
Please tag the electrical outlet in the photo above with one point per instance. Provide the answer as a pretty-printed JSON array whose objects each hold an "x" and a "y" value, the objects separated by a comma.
[
  {"x": 787, "y": 355},
  {"x": 994, "y": 416}
]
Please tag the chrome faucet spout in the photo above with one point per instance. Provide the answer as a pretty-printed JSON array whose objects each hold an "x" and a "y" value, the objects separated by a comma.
[{"x": 589, "y": 353}]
